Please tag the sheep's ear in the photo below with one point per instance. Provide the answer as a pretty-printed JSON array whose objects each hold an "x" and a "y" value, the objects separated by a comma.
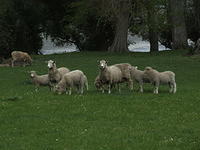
[
  {"x": 106, "y": 62},
  {"x": 136, "y": 67},
  {"x": 54, "y": 62}
]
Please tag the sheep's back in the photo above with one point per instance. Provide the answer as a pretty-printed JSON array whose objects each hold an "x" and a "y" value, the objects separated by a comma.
[
  {"x": 75, "y": 76},
  {"x": 125, "y": 69},
  {"x": 167, "y": 76},
  {"x": 63, "y": 70},
  {"x": 115, "y": 73},
  {"x": 20, "y": 56}
]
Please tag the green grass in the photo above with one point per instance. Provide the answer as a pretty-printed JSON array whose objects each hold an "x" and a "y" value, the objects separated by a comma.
[{"x": 41, "y": 120}]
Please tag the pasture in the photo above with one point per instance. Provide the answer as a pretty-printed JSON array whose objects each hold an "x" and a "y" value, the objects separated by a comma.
[{"x": 31, "y": 119}]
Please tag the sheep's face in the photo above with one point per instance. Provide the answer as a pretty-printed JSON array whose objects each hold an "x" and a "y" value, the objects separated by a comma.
[
  {"x": 102, "y": 64},
  {"x": 147, "y": 71},
  {"x": 59, "y": 89},
  {"x": 148, "y": 68},
  {"x": 51, "y": 64},
  {"x": 32, "y": 74}
]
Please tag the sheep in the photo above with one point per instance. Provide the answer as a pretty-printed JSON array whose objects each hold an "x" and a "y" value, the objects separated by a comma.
[
  {"x": 139, "y": 77},
  {"x": 39, "y": 80},
  {"x": 54, "y": 74},
  {"x": 126, "y": 76},
  {"x": 4, "y": 65},
  {"x": 22, "y": 58},
  {"x": 157, "y": 78},
  {"x": 74, "y": 79},
  {"x": 99, "y": 84},
  {"x": 110, "y": 75}
]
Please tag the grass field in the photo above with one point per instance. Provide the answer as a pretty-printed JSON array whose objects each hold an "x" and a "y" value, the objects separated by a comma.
[{"x": 41, "y": 120}]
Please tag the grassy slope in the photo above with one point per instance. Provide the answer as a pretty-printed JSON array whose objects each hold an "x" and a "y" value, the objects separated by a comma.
[{"x": 94, "y": 121}]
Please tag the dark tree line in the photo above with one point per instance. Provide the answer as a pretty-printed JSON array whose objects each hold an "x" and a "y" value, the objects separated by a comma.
[{"x": 97, "y": 24}]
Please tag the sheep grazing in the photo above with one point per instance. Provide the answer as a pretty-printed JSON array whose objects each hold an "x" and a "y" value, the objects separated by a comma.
[
  {"x": 54, "y": 74},
  {"x": 139, "y": 77},
  {"x": 74, "y": 79},
  {"x": 4, "y": 65},
  {"x": 20, "y": 58},
  {"x": 99, "y": 84},
  {"x": 157, "y": 78},
  {"x": 126, "y": 76},
  {"x": 39, "y": 80},
  {"x": 110, "y": 75}
]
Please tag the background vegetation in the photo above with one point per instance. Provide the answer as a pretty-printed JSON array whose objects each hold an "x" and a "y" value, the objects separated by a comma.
[{"x": 97, "y": 24}]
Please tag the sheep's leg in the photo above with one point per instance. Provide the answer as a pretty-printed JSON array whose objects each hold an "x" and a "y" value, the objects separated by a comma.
[
  {"x": 156, "y": 88},
  {"x": 141, "y": 88},
  {"x": 70, "y": 91},
  {"x": 103, "y": 91},
  {"x": 174, "y": 87},
  {"x": 86, "y": 86},
  {"x": 171, "y": 87},
  {"x": 119, "y": 88},
  {"x": 81, "y": 89},
  {"x": 130, "y": 82},
  {"x": 12, "y": 63},
  {"x": 109, "y": 88}
]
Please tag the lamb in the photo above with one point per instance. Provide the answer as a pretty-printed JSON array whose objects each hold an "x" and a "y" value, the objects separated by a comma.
[
  {"x": 54, "y": 74},
  {"x": 74, "y": 79},
  {"x": 39, "y": 80},
  {"x": 21, "y": 58},
  {"x": 99, "y": 84},
  {"x": 139, "y": 77},
  {"x": 126, "y": 76},
  {"x": 157, "y": 78},
  {"x": 110, "y": 75}
]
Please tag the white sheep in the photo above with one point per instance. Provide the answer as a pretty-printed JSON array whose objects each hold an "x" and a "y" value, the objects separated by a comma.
[
  {"x": 21, "y": 58},
  {"x": 39, "y": 80},
  {"x": 74, "y": 79},
  {"x": 126, "y": 76},
  {"x": 54, "y": 74},
  {"x": 110, "y": 75},
  {"x": 139, "y": 76},
  {"x": 157, "y": 78}
]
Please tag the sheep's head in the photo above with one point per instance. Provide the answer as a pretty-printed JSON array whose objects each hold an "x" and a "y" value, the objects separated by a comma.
[
  {"x": 59, "y": 89},
  {"x": 51, "y": 64},
  {"x": 102, "y": 64},
  {"x": 148, "y": 68},
  {"x": 32, "y": 74}
]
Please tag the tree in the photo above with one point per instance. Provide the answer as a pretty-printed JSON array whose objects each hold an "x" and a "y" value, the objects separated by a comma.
[
  {"x": 178, "y": 25},
  {"x": 152, "y": 24},
  {"x": 121, "y": 11},
  {"x": 20, "y": 26}
]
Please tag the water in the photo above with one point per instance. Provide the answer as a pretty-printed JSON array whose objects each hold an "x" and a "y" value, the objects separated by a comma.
[{"x": 137, "y": 44}]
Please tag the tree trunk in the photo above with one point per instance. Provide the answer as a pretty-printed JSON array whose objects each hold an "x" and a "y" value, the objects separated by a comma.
[
  {"x": 120, "y": 40},
  {"x": 153, "y": 29},
  {"x": 179, "y": 34},
  {"x": 197, "y": 16}
]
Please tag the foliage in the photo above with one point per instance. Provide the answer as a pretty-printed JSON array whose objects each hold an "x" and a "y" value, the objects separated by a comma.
[{"x": 20, "y": 26}]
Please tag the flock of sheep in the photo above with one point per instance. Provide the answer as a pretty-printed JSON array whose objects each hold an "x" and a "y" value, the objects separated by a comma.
[{"x": 62, "y": 80}]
